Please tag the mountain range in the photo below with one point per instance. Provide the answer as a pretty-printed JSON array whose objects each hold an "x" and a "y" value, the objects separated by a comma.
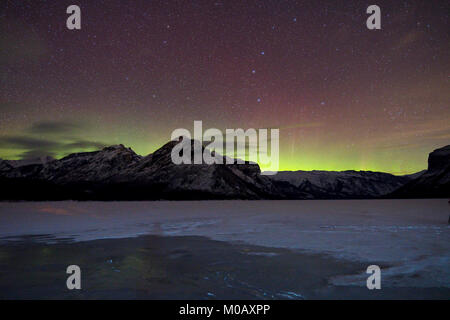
[{"x": 118, "y": 173}]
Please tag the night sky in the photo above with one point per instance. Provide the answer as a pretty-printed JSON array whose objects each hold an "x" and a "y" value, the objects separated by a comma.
[{"x": 344, "y": 97}]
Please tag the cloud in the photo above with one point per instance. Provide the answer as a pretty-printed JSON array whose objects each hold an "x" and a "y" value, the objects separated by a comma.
[
  {"x": 33, "y": 154},
  {"x": 34, "y": 148},
  {"x": 85, "y": 144},
  {"x": 49, "y": 138},
  {"x": 24, "y": 142},
  {"x": 30, "y": 147}
]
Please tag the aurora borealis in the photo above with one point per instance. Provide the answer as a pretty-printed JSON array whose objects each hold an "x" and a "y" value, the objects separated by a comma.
[{"x": 344, "y": 97}]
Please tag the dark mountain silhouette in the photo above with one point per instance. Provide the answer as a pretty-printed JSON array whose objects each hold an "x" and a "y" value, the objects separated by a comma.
[
  {"x": 434, "y": 182},
  {"x": 118, "y": 173},
  {"x": 342, "y": 184}
]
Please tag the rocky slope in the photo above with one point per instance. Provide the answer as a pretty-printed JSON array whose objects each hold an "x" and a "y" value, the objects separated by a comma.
[
  {"x": 21, "y": 163},
  {"x": 434, "y": 182}
]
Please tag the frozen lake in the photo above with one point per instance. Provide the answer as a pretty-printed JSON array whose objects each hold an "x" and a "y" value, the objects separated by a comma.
[{"x": 410, "y": 237}]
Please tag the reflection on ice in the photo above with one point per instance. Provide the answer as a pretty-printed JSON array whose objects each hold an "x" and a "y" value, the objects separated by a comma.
[{"x": 406, "y": 234}]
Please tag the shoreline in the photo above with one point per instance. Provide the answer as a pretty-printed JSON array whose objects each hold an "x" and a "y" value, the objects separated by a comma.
[{"x": 382, "y": 198}]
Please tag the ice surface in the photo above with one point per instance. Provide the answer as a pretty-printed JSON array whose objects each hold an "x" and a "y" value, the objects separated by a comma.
[{"x": 410, "y": 237}]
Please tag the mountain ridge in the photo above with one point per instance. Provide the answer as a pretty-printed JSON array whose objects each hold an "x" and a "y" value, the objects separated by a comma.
[{"x": 118, "y": 173}]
